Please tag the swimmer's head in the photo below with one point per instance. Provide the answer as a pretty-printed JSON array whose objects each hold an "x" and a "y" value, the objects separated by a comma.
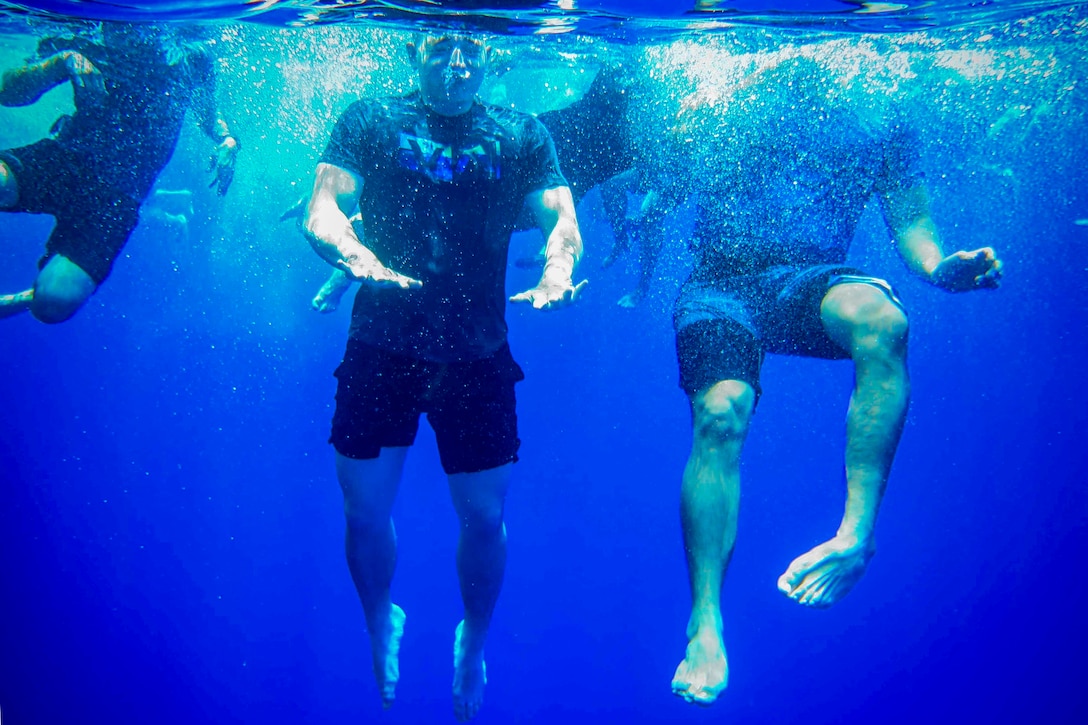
[
  {"x": 451, "y": 69},
  {"x": 134, "y": 37}
]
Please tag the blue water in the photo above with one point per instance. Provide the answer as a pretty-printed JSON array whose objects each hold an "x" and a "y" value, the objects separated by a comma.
[{"x": 171, "y": 526}]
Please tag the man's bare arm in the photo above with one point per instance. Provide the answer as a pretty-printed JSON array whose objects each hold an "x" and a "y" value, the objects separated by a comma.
[
  {"x": 222, "y": 160},
  {"x": 23, "y": 86},
  {"x": 554, "y": 211},
  {"x": 328, "y": 229},
  {"x": 906, "y": 212}
]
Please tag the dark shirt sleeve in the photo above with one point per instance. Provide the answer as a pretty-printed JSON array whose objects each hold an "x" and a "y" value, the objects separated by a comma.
[
  {"x": 900, "y": 169},
  {"x": 541, "y": 166},
  {"x": 347, "y": 143}
]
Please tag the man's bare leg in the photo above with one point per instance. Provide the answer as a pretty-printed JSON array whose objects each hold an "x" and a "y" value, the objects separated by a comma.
[
  {"x": 61, "y": 287},
  {"x": 709, "y": 495},
  {"x": 370, "y": 487},
  {"x": 328, "y": 297},
  {"x": 861, "y": 319},
  {"x": 11, "y": 305},
  {"x": 479, "y": 499}
]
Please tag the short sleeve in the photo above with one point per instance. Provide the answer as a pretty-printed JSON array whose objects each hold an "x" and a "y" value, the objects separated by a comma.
[
  {"x": 900, "y": 168},
  {"x": 346, "y": 144},
  {"x": 541, "y": 162}
]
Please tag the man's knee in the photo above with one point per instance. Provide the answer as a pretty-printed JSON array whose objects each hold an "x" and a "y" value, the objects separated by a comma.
[
  {"x": 881, "y": 331},
  {"x": 9, "y": 190},
  {"x": 370, "y": 486},
  {"x": 480, "y": 515},
  {"x": 61, "y": 289},
  {"x": 53, "y": 306},
  {"x": 58, "y": 297},
  {"x": 723, "y": 411},
  {"x": 865, "y": 321}
]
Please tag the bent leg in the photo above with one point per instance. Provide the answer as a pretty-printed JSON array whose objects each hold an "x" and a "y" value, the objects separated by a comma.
[
  {"x": 863, "y": 320},
  {"x": 479, "y": 499},
  {"x": 61, "y": 289},
  {"x": 370, "y": 488},
  {"x": 709, "y": 496}
]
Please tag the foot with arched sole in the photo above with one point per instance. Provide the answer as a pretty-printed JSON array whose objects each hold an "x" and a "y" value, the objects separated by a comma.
[
  {"x": 469, "y": 678},
  {"x": 821, "y": 577},
  {"x": 704, "y": 673},
  {"x": 385, "y": 651}
]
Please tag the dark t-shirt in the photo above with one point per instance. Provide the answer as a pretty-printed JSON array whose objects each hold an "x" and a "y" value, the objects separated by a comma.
[
  {"x": 592, "y": 134},
  {"x": 130, "y": 135},
  {"x": 791, "y": 184},
  {"x": 439, "y": 201}
]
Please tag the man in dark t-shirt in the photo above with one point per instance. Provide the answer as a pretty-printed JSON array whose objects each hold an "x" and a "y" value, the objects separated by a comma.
[
  {"x": 131, "y": 91},
  {"x": 439, "y": 179},
  {"x": 793, "y": 161}
]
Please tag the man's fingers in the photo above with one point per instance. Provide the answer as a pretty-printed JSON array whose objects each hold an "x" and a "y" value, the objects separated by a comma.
[
  {"x": 548, "y": 298},
  {"x": 525, "y": 296},
  {"x": 389, "y": 278}
]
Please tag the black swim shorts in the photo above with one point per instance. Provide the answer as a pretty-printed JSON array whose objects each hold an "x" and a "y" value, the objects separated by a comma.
[
  {"x": 723, "y": 330},
  {"x": 94, "y": 221},
  {"x": 470, "y": 405}
]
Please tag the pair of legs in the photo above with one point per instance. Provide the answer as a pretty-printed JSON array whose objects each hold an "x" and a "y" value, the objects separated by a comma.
[
  {"x": 370, "y": 488},
  {"x": 862, "y": 320},
  {"x": 471, "y": 406},
  {"x": 61, "y": 287}
]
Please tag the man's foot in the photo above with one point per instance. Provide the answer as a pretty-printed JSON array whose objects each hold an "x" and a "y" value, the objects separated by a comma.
[
  {"x": 704, "y": 673},
  {"x": 469, "y": 677},
  {"x": 827, "y": 573},
  {"x": 11, "y": 305},
  {"x": 328, "y": 297},
  {"x": 385, "y": 651},
  {"x": 630, "y": 301}
]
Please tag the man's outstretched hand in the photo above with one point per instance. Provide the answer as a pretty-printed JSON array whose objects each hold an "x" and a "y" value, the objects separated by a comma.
[
  {"x": 374, "y": 274},
  {"x": 966, "y": 271},
  {"x": 551, "y": 295}
]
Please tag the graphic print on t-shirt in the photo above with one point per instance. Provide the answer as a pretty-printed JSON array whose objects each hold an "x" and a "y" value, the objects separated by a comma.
[{"x": 478, "y": 159}]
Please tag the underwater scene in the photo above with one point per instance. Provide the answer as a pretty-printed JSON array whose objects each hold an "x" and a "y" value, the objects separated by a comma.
[{"x": 341, "y": 339}]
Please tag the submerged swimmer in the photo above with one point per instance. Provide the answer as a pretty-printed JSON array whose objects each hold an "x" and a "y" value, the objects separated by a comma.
[
  {"x": 439, "y": 179},
  {"x": 132, "y": 90},
  {"x": 770, "y": 245}
]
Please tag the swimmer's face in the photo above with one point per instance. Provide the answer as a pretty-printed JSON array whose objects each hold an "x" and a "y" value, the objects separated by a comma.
[{"x": 451, "y": 69}]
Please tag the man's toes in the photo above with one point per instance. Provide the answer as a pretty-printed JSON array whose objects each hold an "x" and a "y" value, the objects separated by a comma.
[{"x": 797, "y": 571}]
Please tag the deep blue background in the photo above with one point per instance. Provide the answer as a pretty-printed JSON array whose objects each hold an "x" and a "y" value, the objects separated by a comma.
[{"x": 171, "y": 533}]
